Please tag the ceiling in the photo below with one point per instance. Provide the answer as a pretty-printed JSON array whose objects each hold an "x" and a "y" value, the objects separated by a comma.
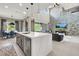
[
  {"x": 69, "y": 5},
  {"x": 19, "y": 10}
]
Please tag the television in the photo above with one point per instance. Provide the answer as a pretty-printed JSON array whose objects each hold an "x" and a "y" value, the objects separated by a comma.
[{"x": 61, "y": 25}]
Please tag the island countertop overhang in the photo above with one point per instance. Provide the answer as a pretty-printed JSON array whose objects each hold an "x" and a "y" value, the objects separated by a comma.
[{"x": 33, "y": 34}]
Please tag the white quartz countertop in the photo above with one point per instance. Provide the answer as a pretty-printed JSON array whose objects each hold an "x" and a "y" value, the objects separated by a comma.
[{"x": 33, "y": 34}]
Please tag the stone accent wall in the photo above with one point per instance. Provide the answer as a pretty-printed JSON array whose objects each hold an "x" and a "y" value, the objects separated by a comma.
[{"x": 73, "y": 29}]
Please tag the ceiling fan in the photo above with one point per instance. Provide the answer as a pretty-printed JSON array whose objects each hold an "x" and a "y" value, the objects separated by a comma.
[
  {"x": 72, "y": 10},
  {"x": 57, "y": 4}
]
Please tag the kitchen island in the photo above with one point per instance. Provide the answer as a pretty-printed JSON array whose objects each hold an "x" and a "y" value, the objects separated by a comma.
[{"x": 34, "y": 43}]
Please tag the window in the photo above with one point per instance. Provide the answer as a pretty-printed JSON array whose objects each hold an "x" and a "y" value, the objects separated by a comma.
[{"x": 37, "y": 27}]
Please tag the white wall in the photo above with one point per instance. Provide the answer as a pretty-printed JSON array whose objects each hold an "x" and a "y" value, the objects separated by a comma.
[
  {"x": 63, "y": 16},
  {"x": 42, "y": 16},
  {"x": 57, "y": 14},
  {"x": 66, "y": 17}
]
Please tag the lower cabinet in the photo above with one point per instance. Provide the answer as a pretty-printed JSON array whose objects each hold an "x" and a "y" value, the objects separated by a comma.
[
  {"x": 24, "y": 43},
  {"x": 27, "y": 46},
  {"x": 18, "y": 40}
]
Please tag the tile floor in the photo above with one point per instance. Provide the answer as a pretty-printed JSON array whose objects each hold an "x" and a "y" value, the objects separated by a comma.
[
  {"x": 12, "y": 41},
  {"x": 68, "y": 47}
]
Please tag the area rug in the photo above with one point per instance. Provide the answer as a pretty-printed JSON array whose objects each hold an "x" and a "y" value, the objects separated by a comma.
[{"x": 8, "y": 51}]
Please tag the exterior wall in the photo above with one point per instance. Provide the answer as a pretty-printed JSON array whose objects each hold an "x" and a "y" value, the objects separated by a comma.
[
  {"x": 32, "y": 25},
  {"x": 44, "y": 27},
  {"x": 8, "y": 21},
  {"x": 17, "y": 25}
]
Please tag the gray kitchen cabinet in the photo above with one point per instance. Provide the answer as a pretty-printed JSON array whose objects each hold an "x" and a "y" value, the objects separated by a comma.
[
  {"x": 24, "y": 43},
  {"x": 34, "y": 43},
  {"x": 20, "y": 41},
  {"x": 27, "y": 46}
]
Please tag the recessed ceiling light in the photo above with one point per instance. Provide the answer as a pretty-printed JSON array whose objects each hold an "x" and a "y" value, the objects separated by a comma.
[
  {"x": 31, "y": 3},
  {"x": 20, "y": 4},
  {"x": 6, "y": 6},
  {"x": 24, "y": 12},
  {"x": 27, "y": 8}
]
